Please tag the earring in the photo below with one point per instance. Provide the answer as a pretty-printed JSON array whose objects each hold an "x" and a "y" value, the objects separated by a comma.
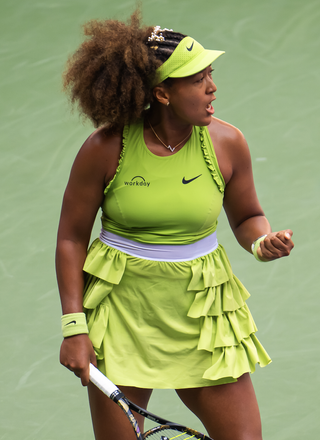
[{"x": 168, "y": 103}]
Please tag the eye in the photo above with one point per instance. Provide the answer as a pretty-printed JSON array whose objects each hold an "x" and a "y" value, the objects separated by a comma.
[{"x": 200, "y": 79}]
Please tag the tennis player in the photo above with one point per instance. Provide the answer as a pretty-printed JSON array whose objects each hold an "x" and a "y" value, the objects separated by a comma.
[{"x": 154, "y": 302}]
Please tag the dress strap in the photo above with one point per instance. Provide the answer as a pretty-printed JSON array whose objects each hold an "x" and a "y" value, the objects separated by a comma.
[
  {"x": 211, "y": 158},
  {"x": 125, "y": 135}
]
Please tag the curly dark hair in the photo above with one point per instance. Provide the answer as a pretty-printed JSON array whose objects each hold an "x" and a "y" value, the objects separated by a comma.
[{"x": 109, "y": 75}]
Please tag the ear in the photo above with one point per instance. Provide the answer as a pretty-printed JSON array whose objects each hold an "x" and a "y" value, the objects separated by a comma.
[{"x": 160, "y": 92}]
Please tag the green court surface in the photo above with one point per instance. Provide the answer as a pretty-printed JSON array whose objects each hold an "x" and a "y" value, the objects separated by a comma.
[{"x": 268, "y": 86}]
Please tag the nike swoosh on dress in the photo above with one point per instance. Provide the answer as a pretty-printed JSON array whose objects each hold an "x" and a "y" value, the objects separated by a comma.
[{"x": 184, "y": 181}]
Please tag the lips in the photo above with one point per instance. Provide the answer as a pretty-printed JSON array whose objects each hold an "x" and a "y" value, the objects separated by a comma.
[{"x": 210, "y": 109}]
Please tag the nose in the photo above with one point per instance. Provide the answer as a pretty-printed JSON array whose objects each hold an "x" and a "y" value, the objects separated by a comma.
[{"x": 211, "y": 87}]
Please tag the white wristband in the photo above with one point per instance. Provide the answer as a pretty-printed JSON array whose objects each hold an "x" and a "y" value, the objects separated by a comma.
[{"x": 255, "y": 245}]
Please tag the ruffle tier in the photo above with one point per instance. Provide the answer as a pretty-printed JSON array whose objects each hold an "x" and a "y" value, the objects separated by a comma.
[{"x": 198, "y": 310}]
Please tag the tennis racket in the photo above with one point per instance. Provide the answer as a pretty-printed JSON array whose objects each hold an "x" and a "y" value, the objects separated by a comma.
[{"x": 166, "y": 431}]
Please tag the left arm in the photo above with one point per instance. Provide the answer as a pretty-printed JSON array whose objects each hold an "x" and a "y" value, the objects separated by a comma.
[{"x": 244, "y": 212}]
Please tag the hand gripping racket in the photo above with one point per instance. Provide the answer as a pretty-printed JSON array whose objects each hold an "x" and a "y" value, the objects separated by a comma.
[{"x": 166, "y": 431}]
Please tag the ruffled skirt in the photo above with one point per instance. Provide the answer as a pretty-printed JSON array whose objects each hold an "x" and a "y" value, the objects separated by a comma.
[{"x": 169, "y": 325}]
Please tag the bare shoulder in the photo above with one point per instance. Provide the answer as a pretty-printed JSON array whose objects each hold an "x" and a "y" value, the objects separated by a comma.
[
  {"x": 228, "y": 134},
  {"x": 100, "y": 154},
  {"x": 101, "y": 144},
  {"x": 230, "y": 146}
]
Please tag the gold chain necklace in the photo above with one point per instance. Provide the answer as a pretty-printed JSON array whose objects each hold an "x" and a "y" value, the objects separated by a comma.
[{"x": 169, "y": 146}]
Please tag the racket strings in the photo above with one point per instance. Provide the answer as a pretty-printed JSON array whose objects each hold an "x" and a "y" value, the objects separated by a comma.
[{"x": 169, "y": 434}]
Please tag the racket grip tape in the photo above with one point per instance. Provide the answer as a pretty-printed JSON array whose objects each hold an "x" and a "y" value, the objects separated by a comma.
[{"x": 103, "y": 383}]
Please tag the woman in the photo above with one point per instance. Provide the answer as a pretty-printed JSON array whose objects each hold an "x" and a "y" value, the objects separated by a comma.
[{"x": 163, "y": 308}]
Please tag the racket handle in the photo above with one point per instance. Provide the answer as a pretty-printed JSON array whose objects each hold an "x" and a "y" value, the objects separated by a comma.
[{"x": 102, "y": 382}]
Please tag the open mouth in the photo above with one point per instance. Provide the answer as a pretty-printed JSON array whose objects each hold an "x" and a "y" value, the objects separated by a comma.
[{"x": 210, "y": 109}]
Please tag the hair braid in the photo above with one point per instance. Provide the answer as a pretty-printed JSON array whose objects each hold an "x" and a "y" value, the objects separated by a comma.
[{"x": 163, "y": 49}]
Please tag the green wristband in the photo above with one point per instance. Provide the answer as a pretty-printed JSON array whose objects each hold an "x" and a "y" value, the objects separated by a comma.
[
  {"x": 255, "y": 245},
  {"x": 74, "y": 324}
]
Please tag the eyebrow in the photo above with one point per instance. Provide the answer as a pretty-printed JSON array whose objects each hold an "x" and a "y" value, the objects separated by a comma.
[{"x": 202, "y": 71}]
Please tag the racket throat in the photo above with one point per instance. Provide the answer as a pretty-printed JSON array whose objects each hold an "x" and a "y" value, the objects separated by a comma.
[{"x": 117, "y": 395}]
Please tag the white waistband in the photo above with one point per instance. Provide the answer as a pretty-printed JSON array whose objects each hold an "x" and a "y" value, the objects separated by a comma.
[{"x": 161, "y": 252}]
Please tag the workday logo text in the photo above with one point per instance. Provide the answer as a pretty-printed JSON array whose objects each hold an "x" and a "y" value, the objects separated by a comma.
[{"x": 137, "y": 181}]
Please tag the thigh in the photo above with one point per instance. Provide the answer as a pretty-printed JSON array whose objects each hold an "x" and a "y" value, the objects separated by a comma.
[
  {"x": 108, "y": 419},
  {"x": 228, "y": 412}
]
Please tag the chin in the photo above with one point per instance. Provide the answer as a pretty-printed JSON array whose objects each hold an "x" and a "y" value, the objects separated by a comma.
[{"x": 204, "y": 121}]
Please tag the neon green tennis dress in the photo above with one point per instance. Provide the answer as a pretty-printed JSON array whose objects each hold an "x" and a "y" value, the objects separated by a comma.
[{"x": 163, "y": 324}]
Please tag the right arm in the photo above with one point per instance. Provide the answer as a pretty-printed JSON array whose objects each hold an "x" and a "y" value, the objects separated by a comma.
[{"x": 93, "y": 167}]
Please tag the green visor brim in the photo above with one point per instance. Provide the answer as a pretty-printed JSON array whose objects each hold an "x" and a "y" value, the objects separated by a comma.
[{"x": 188, "y": 58}]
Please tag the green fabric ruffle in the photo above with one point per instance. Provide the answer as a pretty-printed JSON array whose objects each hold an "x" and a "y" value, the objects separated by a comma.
[{"x": 212, "y": 307}]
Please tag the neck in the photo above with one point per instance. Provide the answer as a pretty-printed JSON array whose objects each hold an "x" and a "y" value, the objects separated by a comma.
[{"x": 168, "y": 127}]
